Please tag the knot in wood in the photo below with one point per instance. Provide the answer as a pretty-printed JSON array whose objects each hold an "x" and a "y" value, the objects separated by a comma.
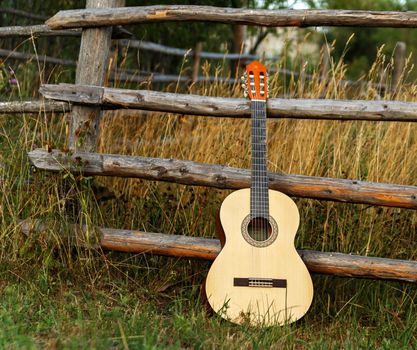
[
  {"x": 183, "y": 170},
  {"x": 139, "y": 97},
  {"x": 161, "y": 170},
  {"x": 220, "y": 178}
]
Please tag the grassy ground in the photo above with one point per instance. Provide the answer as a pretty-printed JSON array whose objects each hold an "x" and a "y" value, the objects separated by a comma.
[{"x": 55, "y": 295}]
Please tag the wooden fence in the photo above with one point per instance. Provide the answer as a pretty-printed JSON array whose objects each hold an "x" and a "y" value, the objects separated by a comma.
[
  {"x": 125, "y": 39},
  {"x": 87, "y": 98}
]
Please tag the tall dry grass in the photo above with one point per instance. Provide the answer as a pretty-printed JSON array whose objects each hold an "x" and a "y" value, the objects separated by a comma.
[{"x": 371, "y": 151}]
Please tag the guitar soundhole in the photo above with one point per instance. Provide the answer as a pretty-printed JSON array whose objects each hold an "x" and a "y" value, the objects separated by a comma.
[
  {"x": 259, "y": 229},
  {"x": 259, "y": 232}
]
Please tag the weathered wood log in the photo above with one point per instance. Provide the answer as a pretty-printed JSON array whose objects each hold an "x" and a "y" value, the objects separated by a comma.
[
  {"x": 36, "y": 30},
  {"x": 220, "y": 176},
  {"x": 34, "y": 107},
  {"x": 268, "y": 18},
  {"x": 38, "y": 57},
  {"x": 43, "y": 30},
  {"x": 91, "y": 69},
  {"x": 232, "y": 107},
  {"x": 205, "y": 248}
]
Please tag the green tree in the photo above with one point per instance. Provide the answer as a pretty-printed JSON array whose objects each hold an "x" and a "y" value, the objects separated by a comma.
[{"x": 366, "y": 41}]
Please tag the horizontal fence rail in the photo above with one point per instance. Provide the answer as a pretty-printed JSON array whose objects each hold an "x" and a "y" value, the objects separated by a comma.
[
  {"x": 119, "y": 75},
  {"x": 38, "y": 106},
  {"x": 150, "y": 46},
  {"x": 36, "y": 30},
  {"x": 205, "y": 248},
  {"x": 269, "y": 18},
  {"x": 36, "y": 57},
  {"x": 225, "y": 177},
  {"x": 166, "y": 78},
  {"x": 232, "y": 107},
  {"x": 43, "y": 30}
]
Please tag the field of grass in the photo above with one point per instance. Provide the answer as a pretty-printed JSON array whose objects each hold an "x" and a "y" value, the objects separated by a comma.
[{"x": 57, "y": 295}]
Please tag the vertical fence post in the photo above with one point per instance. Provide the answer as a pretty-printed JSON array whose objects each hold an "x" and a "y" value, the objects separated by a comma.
[
  {"x": 237, "y": 46},
  {"x": 91, "y": 70},
  {"x": 301, "y": 78},
  {"x": 399, "y": 63},
  {"x": 325, "y": 60},
  {"x": 196, "y": 63}
]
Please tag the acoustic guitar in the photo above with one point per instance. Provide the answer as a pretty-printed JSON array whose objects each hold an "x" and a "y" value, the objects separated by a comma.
[{"x": 258, "y": 277}]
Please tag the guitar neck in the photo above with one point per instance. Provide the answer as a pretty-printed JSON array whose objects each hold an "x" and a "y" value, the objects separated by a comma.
[{"x": 259, "y": 200}]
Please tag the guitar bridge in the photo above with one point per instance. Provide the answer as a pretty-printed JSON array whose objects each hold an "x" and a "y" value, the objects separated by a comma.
[{"x": 260, "y": 282}]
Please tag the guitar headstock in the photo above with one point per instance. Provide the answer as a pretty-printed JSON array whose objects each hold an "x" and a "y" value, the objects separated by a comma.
[{"x": 255, "y": 81}]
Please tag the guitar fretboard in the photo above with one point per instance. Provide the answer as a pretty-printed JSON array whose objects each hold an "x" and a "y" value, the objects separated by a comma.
[{"x": 259, "y": 201}]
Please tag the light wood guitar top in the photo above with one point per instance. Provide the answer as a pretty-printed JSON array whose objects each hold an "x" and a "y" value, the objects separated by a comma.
[{"x": 263, "y": 285}]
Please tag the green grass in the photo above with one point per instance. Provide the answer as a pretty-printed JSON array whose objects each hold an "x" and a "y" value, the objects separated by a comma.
[{"x": 131, "y": 308}]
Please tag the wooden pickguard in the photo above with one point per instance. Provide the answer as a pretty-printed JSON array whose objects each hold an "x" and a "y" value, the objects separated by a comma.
[{"x": 278, "y": 262}]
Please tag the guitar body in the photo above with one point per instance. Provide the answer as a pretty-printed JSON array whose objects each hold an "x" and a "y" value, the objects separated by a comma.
[{"x": 264, "y": 282}]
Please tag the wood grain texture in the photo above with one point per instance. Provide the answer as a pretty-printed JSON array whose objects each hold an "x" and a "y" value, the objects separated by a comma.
[
  {"x": 34, "y": 107},
  {"x": 232, "y": 107},
  {"x": 268, "y": 18},
  {"x": 219, "y": 176},
  {"x": 341, "y": 264},
  {"x": 278, "y": 260},
  {"x": 91, "y": 69}
]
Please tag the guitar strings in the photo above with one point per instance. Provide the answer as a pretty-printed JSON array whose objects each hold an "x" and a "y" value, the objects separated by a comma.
[{"x": 259, "y": 199}]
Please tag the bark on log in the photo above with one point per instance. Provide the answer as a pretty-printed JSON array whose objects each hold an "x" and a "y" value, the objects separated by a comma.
[
  {"x": 268, "y": 18},
  {"x": 34, "y": 107},
  {"x": 233, "y": 107},
  {"x": 43, "y": 30},
  {"x": 205, "y": 248},
  {"x": 219, "y": 176}
]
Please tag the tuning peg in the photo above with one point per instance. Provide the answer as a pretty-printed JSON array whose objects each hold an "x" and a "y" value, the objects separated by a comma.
[{"x": 245, "y": 93}]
